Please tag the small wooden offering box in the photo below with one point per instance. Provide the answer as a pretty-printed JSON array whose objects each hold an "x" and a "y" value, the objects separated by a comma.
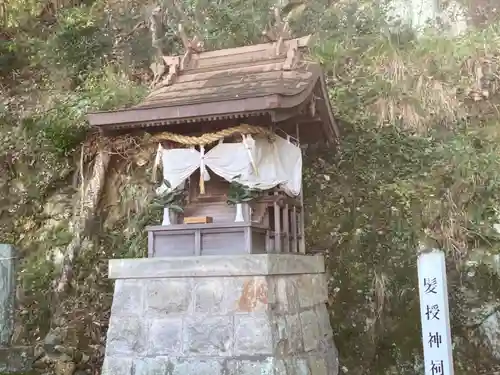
[{"x": 198, "y": 220}]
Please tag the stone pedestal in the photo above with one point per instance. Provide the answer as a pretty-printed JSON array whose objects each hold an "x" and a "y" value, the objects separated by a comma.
[
  {"x": 13, "y": 359},
  {"x": 220, "y": 315}
]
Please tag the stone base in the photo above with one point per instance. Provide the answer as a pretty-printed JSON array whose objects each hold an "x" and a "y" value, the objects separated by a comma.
[{"x": 245, "y": 315}]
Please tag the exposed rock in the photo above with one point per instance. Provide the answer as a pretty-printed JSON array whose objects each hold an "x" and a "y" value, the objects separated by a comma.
[
  {"x": 58, "y": 206},
  {"x": 64, "y": 368},
  {"x": 16, "y": 359},
  {"x": 490, "y": 330},
  {"x": 53, "y": 339}
]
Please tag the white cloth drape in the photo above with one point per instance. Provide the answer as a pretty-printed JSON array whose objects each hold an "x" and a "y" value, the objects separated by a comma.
[
  {"x": 277, "y": 163},
  {"x": 179, "y": 164}
]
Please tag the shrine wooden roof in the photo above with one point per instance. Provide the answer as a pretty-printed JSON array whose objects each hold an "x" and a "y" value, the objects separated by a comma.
[{"x": 271, "y": 80}]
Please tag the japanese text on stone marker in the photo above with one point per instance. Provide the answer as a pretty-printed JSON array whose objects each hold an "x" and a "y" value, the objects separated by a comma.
[
  {"x": 435, "y": 339},
  {"x": 437, "y": 367},
  {"x": 432, "y": 312},
  {"x": 430, "y": 285}
]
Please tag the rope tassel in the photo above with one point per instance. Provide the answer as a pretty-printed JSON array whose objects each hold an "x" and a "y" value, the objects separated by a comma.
[
  {"x": 246, "y": 140},
  {"x": 202, "y": 169}
]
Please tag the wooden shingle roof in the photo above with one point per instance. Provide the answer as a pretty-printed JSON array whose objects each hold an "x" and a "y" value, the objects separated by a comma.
[{"x": 265, "y": 79}]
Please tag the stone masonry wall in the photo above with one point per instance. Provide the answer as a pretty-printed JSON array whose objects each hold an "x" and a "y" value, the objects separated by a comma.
[{"x": 245, "y": 325}]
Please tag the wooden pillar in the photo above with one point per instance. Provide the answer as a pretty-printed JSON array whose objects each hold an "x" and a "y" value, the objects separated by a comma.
[
  {"x": 286, "y": 228},
  {"x": 302, "y": 242},
  {"x": 266, "y": 222},
  {"x": 277, "y": 227},
  {"x": 295, "y": 231},
  {"x": 247, "y": 212},
  {"x": 248, "y": 240},
  {"x": 269, "y": 248}
]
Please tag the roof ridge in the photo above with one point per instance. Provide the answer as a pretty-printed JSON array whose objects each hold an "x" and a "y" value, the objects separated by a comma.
[
  {"x": 303, "y": 42},
  {"x": 221, "y": 59}
]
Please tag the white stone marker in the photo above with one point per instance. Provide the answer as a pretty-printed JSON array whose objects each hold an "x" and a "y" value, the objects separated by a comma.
[
  {"x": 7, "y": 293},
  {"x": 434, "y": 312}
]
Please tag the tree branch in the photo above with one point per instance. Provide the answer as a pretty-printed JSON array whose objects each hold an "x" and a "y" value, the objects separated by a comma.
[
  {"x": 156, "y": 28},
  {"x": 89, "y": 200}
]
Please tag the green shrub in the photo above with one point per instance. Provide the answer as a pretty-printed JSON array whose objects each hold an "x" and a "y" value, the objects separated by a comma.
[
  {"x": 77, "y": 46},
  {"x": 8, "y": 57}
]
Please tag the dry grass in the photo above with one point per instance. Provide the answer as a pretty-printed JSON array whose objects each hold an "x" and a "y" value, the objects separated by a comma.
[
  {"x": 381, "y": 295},
  {"x": 428, "y": 82}
]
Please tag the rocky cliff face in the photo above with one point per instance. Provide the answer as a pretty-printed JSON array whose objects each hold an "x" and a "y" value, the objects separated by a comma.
[{"x": 418, "y": 158}]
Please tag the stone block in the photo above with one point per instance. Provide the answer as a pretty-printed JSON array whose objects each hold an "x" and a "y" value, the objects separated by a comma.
[
  {"x": 117, "y": 366},
  {"x": 165, "y": 336},
  {"x": 252, "y": 334},
  {"x": 128, "y": 298},
  {"x": 292, "y": 366},
  {"x": 216, "y": 265},
  {"x": 198, "y": 367},
  {"x": 247, "y": 294},
  {"x": 283, "y": 294},
  {"x": 126, "y": 336},
  {"x": 313, "y": 289},
  {"x": 331, "y": 357},
  {"x": 293, "y": 264},
  {"x": 208, "y": 335},
  {"x": 168, "y": 296},
  {"x": 250, "y": 367},
  {"x": 177, "y": 366},
  {"x": 280, "y": 367},
  {"x": 155, "y": 366},
  {"x": 279, "y": 331},
  {"x": 326, "y": 363},
  {"x": 294, "y": 334},
  {"x": 320, "y": 287},
  {"x": 301, "y": 366},
  {"x": 283, "y": 367},
  {"x": 227, "y": 295},
  {"x": 287, "y": 335},
  {"x": 208, "y": 295},
  {"x": 310, "y": 330},
  {"x": 318, "y": 366},
  {"x": 324, "y": 321}
]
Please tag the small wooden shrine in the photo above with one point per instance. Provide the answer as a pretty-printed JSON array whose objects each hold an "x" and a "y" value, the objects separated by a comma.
[{"x": 229, "y": 125}]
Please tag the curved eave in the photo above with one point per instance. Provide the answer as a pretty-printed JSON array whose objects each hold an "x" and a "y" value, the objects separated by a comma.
[
  {"x": 129, "y": 118},
  {"x": 273, "y": 105}
]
